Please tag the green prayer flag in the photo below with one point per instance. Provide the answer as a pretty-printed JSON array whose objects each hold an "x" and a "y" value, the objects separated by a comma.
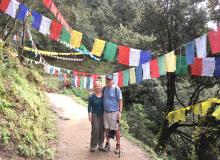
[
  {"x": 65, "y": 36},
  {"x": 126, "y": 77},
  {"x": 181, "y": 65},
  {"x": 162, "y": 65},
  {"x": 110, "y": 51},
  {"x": 81, "y": 82}
]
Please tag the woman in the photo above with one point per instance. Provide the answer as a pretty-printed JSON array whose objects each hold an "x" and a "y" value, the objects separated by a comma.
[{"x": 95, "y": 114}]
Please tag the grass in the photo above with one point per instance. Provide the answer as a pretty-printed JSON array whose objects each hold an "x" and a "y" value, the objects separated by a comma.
[{"x": 27, "y": 124}]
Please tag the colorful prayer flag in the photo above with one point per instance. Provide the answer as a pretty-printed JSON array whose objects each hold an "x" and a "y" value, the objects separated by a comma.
[
  {"x": 126, "y": 77},
  {"x": 22, "y": 12},
  {"x": 208, "y": 67},
  {"x": 12, "y": 8},
  {"x": 201, "y": 44},
  {"x": 190, "y": 52},
  {"x": 98, "y": 47},
  {"x": 47, "y": 3},
  {"x": 76, "y": 38},
  {"x": 110, "y": 51},
  {"x": 154, "y": 69},
  {"x": 134, "y": 57},
  {"x": 196, "y": 67},
  {"x": 170, "y": 61},
  {"x": 214, "y": 39},
  {"x": 181, "y": 66},
  {"x": 162, "y": 65},
  {"x": 45, "y": 26},
  {"x": 146, "y": 71},
  {"x": 217, "y": 66},
  {"x": 115, "y": 78},
  {"x": 120, "y": 79},
  {"x": 37, "y": 17},
  {"x": 139, "y": 72},
  {"x": 132, "y": 76},
  {"x": 55, "y": 30},
  {"x": 145, "y": 56},
  {"x": 4, "y": 5},
  {"x": 65, "y": 37},
  {"x": 123, "y": 56}
]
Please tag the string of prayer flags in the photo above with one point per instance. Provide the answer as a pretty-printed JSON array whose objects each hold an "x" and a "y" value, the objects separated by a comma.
[
  {"x": 126, "y": 77},
  {"x": 162, "y": 65},
  {"x": 154, "y": 69},
  {"x": 76, "y": 38},
  {"x": 208, "y": 67},
  {"x": 12, "y": 8},
  {"x": 4, "y": 5},
  {"x": 145, "y": 56},
  {"x": 217, "y": 66},
  {"x": 22, "y": 12},
  {"x": 201, "y": 44},
  {"x": 132, "y": 76},
  {"x": 37, "y": 17},
  {"x": 123, "y": 55},
  {"x": 196, "y": 67},
  {"x": 177, "y": 116},
  {"x": 55, "y": 30},
  {"x": 98, "y": 47},
  {"x": 65, "y": 37},
  {"x": 110, "y": 51},
  {"x": 170, "y": 61},
  {"x": 47, "y": 3},
  {"x": 115, "y": 78},
  {"x": 190, "y": 52},
  {"x": 120, "y": 79},
  {"x": 139, "y": 72},
  {"x": 214, "y": 38},
  {"x": 181, "y": 65},
  {"x": 146, "y": 71},
  {"x": 45, "y": 26},
  {"x": 134, "y": 57}
]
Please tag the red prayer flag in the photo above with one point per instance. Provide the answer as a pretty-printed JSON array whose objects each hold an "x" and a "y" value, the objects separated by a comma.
[
  {"x": 196, "y": 67},
  {"x": 4, "y": 5},
  {"x": 54, "y": 9},
  {"x": 55, "y": 30},
  {"x": 56, "y": 72},
  {"x": 214, "y": 39},
  {"x": 47, "y": 3},
  {"x": 154, "y": 69},
  {"x": 75, "y": 73},
  {"x": 95, "y": 77},
  {"x": 123, "y": 56},
  {"x": 120, "y": 79},
  {"x": 78, "y": 81}
]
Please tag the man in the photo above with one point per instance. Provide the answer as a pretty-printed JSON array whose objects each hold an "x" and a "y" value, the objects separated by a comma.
[{"x": 113, "y": 106}]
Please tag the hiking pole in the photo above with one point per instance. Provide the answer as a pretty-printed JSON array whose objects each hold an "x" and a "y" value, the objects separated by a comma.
[{"x": 119, "y": 154}]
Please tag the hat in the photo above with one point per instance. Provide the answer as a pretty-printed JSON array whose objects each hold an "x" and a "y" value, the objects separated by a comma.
[{"x": 109, "y": 76}]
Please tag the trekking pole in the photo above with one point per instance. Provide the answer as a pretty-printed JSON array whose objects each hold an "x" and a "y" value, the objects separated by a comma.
[{"x": 119, "y": 154}]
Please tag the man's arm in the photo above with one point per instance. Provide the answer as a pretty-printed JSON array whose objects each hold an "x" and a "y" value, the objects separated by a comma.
[{"x": 120, "y": 105}]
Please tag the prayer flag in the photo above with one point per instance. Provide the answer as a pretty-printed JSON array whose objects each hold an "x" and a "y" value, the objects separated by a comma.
[
  {"x": 91, "y": 83},
  {"x": 146, "y": 71},
  {"x": 126, "y": 77},
  {"x": 170, "y": 61},
  {"x": 208, "y": 67},
  {"x": 214, "y": 39},
  {"x": 47, "y": 3},
  {"x": 196, "y": 67},
  {"x": 45, "y": 25},
  {"x": 134, "y": 57},
  {"x": 162, "y": 65},
  {"x": 65, "y": 37},
  {"x": 190, "y": 52},
  {"x": 139, "y": 72},
  {"x": 81, "y": 82},
  {"x": 37, "y": 17},
  {"x": 123, "y": 56},
  {"x": 54, "y": 9},
  {"x": 22, "y": 12},
  {"x": 154, "y": 69},
  {"x": 55, "y": 30},
  {"x": 76, "y": 38},
  {"x": 120, "y": 79},
  {"x": 145, "y": 56},
  {"x": 115, "y": 78},
  {"x": 4, "y": 5},
  {"x": 98, "y": 47},
  {"x": 217, "y": 66},
  {"x": 132, "y": 75},
  {"x": 181, "y": 66},
  {"x": 201, "y": 44},
  {"x": 110, "y": 51},
  {"x": 12, "y": 8}
]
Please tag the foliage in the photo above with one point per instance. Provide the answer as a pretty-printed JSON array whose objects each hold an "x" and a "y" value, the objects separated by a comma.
[{"x": 27, "y": 122}]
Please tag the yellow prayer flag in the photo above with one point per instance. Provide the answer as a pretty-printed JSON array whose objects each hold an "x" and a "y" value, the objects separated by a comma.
[
  {"x": 76, "y": 38},
  {"x": 196, "y": 109},
  {"x": 170, "y": 61},
  {"x": 205, "y": 106},
  {"x": 216, "y": 114},
  {"x": 132, "y": 76},
  {"x": 98, "y": 47}
]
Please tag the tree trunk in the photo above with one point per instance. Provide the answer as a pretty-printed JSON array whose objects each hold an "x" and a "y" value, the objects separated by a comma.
[{"x": 166, "y": 131}]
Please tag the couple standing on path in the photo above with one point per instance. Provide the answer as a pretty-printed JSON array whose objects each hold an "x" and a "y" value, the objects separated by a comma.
[{"x": 104, "y": 111}]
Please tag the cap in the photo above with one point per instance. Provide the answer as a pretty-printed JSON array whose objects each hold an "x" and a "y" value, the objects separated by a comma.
[{"x": 109, "y": 76}]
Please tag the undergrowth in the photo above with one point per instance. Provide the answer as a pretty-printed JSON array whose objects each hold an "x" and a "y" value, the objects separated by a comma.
[{"x": 27, "y": 124}]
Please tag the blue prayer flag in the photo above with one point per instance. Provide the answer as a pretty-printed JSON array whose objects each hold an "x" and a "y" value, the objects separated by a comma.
[
  {"x": 145, "y": 57},
  {"x": 190, "y": 52},
  {"x": 22, "y": 12},
  {"x": 139, "y": 73},
  {"x": 37, "y": 17},
  {"x": 217, "y": 66}
]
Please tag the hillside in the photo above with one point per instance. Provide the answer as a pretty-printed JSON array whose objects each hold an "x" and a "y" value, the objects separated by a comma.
[{"x": 27, "y": 124}]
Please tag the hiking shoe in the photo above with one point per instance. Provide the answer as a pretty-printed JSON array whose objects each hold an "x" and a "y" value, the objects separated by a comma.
[
  {"x": 107, "y": 147},
  {"x": 117, "y": 150},
  {"x": 92, "y": 149},
  {"x": 101, "y": 148}
]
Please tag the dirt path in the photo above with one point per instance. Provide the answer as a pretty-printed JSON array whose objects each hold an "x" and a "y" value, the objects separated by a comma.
[{"x": 74, "y": 134}]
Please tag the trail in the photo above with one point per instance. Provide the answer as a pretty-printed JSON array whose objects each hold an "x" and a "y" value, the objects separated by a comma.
[{"x": 74, "y": 134}]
